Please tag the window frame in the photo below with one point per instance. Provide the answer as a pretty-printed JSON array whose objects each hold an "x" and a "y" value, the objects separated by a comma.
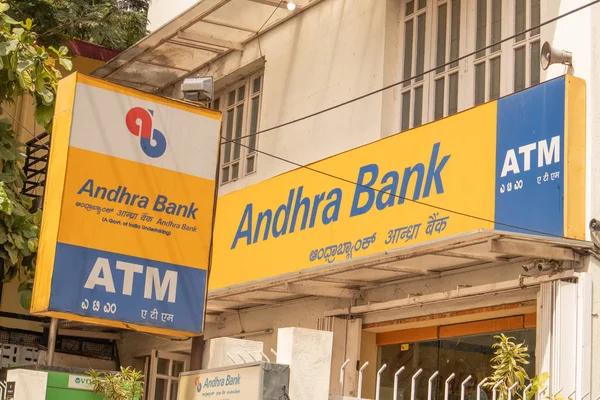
[
  {"x": 450, "y": 70},
  {"x": 423, "y": 82},
  {"x": 466, "y": 68},
  {"x": 245, "y": 153}
]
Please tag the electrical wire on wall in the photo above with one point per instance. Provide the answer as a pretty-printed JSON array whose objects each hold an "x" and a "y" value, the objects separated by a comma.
[{"x": 263, "y": 25}]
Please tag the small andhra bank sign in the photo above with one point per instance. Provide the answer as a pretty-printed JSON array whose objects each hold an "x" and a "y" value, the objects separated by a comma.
[
  {"x": 128, "y": 209},
  {"x": 518, "y": 161}
]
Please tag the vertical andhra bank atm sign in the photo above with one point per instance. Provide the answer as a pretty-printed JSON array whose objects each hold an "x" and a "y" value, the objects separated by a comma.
[
  {"x": 515, "y": 164},
  {"x": 128, "y": 209}
]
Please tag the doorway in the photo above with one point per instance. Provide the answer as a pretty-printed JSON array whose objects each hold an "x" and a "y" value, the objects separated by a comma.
[
  {"x": 461, "y": 349},
  {"x": 161, "y": 374}
]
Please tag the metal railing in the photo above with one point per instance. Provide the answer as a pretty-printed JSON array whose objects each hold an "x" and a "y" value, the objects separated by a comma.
[{"x": 431, "y": 380}]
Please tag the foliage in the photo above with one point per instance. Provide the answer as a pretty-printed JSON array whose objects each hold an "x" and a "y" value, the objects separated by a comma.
[
  {"x": 26, "y": 69},
  {"x": 507, "y": 363},
  {"x": 116, "y": 24},
  {"x": 123, "y": 385}
]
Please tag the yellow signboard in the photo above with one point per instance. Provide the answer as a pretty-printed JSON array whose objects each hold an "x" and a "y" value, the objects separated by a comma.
[
  {"x": 128, "y": 209},
  {"x": 516, "y": 164}
]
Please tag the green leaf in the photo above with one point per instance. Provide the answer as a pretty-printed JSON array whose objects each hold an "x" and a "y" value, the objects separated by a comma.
[
  {"x": 13, "y": 253},
  {"x": 4, "y": 7},
  {"x": 3, "y": 237},
  {"x": 19, "y": 210},
  {"x": 63, "y": 50},
  {"x": 8, "y": 47},
  {"x": 37, "y": 217},
  {"x": 6, "y": 205},
  {"x": 44, "y": 114},
  {"x": 7, "y": 177},
  {"x": 26, "y": 299},
  {"x": 7, "y": 154},
  {"x": 11, "y": 273},
  {"x": 28, "y": 24},
  {"x": 9, "y": 20},
  {"x": 17, "y": 240},
  {"x": 24, "y": 64},
  {"x": 66, "y": 63},
  {"x": 47, "y": 96},
  {"x": 25, "y": 80},
  {"x": 25, "y": 285},
  {"x": 32, "y": 244}
]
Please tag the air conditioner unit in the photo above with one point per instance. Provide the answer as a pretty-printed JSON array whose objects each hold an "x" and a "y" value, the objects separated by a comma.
[{"x": 198, "y": 89}]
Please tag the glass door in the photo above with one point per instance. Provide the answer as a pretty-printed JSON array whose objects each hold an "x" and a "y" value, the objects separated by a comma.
[{"x": 449, "y": 351}]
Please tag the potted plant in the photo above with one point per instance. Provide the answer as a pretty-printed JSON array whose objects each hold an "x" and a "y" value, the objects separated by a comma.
[{"x": 123, "y": 385}]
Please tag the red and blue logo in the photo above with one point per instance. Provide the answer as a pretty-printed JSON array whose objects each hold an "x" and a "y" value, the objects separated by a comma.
[
  {"x": 198, "y": 384},
  {"x": 139, "y": 123}
]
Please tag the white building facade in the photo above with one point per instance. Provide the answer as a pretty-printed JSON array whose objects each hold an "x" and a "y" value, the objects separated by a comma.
[{"x": 435, "y": 314}]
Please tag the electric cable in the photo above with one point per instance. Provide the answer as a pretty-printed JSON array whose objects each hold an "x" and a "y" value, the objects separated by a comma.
[
  {"x": 23, "y": 126},
  {"x": 263, "y": 25},
  {"x": 421, "y": 74}
]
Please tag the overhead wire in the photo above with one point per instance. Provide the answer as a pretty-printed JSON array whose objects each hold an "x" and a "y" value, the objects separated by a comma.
[
  {"x": 23, "y": 126},
  {"x": 263, "y": 25},
  {"x": 421, "y": 74}
]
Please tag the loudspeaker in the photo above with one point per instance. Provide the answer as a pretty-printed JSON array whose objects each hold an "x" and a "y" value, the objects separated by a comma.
[{"x": 550, "y": 56}]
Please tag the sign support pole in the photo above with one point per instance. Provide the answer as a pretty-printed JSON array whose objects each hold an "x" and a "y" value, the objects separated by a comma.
[
  {"x": 52, "y": 340},
  {"x": 196, "y": 353}
]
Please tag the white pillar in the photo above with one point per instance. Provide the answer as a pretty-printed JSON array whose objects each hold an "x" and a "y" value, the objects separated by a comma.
[{"x": 308, "y": 353}]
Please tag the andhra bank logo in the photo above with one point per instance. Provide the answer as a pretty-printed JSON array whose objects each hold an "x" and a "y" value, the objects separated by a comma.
[
  {"x": 139, "y": 121},
  {"x": 198, "y": 384}
]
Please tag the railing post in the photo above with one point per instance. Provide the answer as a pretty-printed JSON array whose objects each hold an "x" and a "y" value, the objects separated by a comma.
[
  {"x": 483, "y": 381},
  {"x": 495, "y": 390},
  {"x": 360, "y": 375},
  {"x": 462, "y": 387},
  {"x": 377, "y": 390},
  {"x": 396, "y": 382},
  {"x": 413, "y": 389},
  {"x": 430, "y": 385},
  {"x": 510, "y": 390},
  {"x": 525, "y": 391},
  {"x": 343, "y": 376},
  {"x": 265, "y": 357},
  {"x": 447, "y": 386}
]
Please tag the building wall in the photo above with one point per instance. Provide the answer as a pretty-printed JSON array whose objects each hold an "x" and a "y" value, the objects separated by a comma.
[{"x": 328, "y": 54}]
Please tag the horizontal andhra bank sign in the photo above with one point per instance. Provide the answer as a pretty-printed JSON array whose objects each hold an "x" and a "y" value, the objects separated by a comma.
[{"x": 519, "y": 161}]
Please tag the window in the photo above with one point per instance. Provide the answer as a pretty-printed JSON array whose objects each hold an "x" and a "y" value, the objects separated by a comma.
[
  {"x": 526, "y": 47},
  {"x": 447, "y": 45},
  {"x": 435, "y": 32},
  {"x": 415, "y": 14},
  {"x": 240, "y": 105},
  {"x": 488, "y": 62}
]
